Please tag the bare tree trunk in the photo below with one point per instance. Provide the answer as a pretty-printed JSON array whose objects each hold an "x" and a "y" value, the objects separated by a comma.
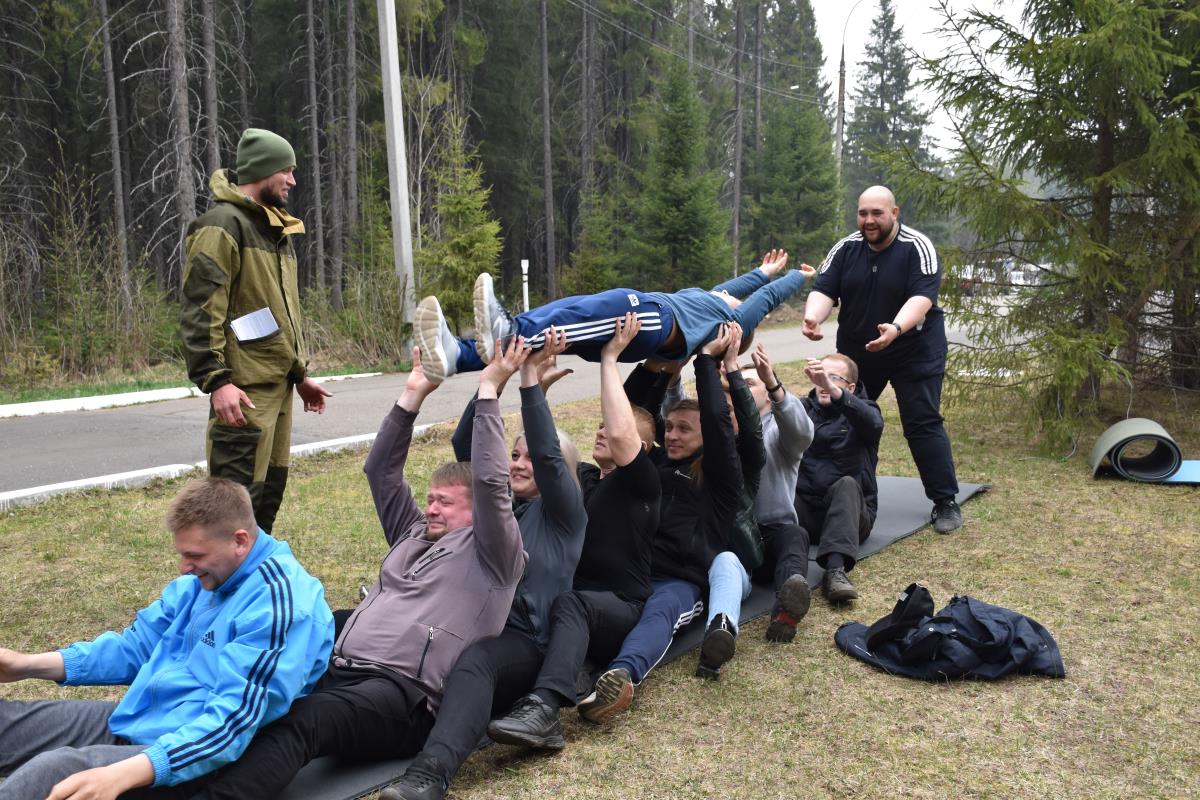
[
  {"x": 351, "y": 117},
  {"x": 245, "y": 76},
  {"x": 118, "y": 186},
  {"x": 759, "y": 13},
  {"x": 185, "y": 188},
  {"x": 691, "y": 34},
  {"x": 587, "y": 102},
  {"x": 317, "y": 269},
  {"x": 211, "y": 126},
  {"x": 547, "y": 163},
  {"x": 738, "y": 94},
  {"x": 337, "y": 222}
]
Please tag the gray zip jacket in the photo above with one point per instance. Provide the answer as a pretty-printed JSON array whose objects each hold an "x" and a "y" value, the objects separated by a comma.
[
  {"x": 435, "y": 599},
  {"x": 787, "y": 432}
]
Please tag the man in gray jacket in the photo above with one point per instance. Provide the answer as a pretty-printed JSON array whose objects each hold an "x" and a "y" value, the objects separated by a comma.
[
  {"x": 447, "y": 581},
  {"x": 787, "y": 432}
]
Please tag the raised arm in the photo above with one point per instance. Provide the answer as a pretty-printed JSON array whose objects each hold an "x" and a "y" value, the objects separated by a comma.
[
  {"x": 395, "y": 505},
  {"x": 497, "y": 537},
  {"x": 561, "y": 496},
  {"x": 743, "y": 285},
  {"x": 766, "y": 298},
  {"x": 615, "y": 410},
  {"x": 793, "y": 427},
  {"x": 722, "y": 467},
  {"x": 751, "y": 452}
]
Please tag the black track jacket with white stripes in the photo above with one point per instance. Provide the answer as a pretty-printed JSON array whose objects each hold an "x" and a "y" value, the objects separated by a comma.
[{"x": 872, "y": 286}]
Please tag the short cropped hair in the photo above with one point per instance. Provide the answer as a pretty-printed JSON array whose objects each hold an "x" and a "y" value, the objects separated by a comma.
[
  {"x": 216, "y": 505},
  {"x": 456, "y": 473},
  {"x": 686, "y": 404},
  {"x": 747, "y": 343},
  {"x": 851, "y": 368},
  {"x": 644, "y": 421}
]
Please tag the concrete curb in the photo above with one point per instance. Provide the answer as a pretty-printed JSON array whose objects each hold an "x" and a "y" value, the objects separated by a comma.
[
  {"x": 127, "y": 399},
  {"x": 127, "y": 480}
]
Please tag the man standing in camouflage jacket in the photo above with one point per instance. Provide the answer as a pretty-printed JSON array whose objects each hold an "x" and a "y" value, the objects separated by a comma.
[{"x": 241, "y": 320}]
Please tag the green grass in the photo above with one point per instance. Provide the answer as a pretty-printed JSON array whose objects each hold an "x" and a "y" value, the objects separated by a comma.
[
  {"x": 161, "y": 376},
  {"x": 1112, "y": 569}
]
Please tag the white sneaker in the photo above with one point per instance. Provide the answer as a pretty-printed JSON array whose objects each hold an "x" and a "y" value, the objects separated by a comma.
[
  {"x": 438, "y": 346},
  {"x": 492, "y": 322}
]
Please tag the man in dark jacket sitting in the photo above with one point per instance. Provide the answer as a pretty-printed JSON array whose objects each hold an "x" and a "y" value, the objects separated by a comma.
[{"x": 836, "y": 493}]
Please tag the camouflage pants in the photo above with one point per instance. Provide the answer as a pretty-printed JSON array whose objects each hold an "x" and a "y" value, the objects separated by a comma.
[{"x": 256, "y": 455}]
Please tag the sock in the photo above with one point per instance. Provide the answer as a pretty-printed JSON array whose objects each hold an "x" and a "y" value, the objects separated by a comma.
[{"x": 549, "y": 697}]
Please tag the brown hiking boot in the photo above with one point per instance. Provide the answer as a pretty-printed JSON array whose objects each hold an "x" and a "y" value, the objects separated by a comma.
[{"x": 838, "y": 587}]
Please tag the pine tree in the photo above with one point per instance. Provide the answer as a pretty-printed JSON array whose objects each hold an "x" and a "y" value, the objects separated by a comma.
[
  {"x": 679, "y": 229},
  {"x": 795, "y": 185},
  {"x": 1077, "y": 161},
  {"x": 884, "y": 116},
  {"x": 468, "y": 238}
]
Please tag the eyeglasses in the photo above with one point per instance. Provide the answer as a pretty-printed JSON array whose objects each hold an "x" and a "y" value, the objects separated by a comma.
[{"x": 837, "y": 378}]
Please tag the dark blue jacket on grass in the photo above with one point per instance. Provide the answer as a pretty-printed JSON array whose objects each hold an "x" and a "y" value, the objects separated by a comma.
[{"x": 967, "y": 639}]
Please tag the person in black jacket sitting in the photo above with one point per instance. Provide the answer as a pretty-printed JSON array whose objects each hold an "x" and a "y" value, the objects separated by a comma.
[
  {"x": 836, "y": 492},
  {"x": 701, "y": 486}
]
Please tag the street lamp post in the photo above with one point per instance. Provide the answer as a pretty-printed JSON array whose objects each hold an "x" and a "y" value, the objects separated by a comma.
[{"x": 841, "y": 101}]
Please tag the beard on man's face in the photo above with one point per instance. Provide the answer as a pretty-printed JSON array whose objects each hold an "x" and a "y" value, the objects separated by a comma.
[{"x": 273, "y": 198}]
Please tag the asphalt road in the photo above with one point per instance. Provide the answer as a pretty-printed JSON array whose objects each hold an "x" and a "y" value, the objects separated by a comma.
[{"x": 54, "y": 448}]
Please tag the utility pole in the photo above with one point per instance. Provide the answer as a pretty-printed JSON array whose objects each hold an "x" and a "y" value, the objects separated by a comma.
[
  {"x": 841, "y": 101},
  {"x": 393, "y": 113},
  {"x": 841, "y": 110}
]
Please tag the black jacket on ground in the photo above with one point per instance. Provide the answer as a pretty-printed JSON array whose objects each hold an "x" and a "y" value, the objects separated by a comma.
[
  {"x": 967, "y": 639},
  {"x": 845, "y": 441}
]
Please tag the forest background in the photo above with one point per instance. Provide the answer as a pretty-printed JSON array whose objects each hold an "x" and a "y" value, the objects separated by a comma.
[{"x": 651, "y": 143}]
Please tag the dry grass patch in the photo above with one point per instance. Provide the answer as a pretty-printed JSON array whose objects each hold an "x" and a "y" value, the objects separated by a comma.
[{"x": 1110, "y": 568}]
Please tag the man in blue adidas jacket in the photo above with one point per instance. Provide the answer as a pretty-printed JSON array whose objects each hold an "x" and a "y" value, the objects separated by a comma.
[{"x": 225, "y": 650}]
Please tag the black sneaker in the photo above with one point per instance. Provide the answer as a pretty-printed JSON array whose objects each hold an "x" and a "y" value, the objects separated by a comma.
[
  {"x": 838, "y": 587},
  {"x": 946, "y": 516},
  {"x": 720, "y": 644},
  {"x": 532, "y": 722},
  {"x": 612, "y": 695},
  {"x": 792, "y": 602},
  {"x": 421, "y": 781}
]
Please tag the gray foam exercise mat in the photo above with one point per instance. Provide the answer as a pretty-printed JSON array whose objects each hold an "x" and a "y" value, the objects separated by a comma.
[
  {"x": 903, "y": 510},
  {"x": 1139, "y": 449}
]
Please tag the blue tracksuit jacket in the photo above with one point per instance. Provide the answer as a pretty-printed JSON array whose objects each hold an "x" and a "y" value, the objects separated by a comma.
[{"x": 207, "y": 669}]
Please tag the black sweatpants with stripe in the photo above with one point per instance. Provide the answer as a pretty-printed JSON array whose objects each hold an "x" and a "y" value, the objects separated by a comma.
[{"x": 351, "y": 714}]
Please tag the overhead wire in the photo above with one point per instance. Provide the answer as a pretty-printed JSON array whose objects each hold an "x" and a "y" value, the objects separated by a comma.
[
  {"x": 583, "y": 5},
  {"x": 732, "y": 50}
]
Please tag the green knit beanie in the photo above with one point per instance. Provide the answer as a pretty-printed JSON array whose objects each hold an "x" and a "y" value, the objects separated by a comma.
[{"x": 261, "y": 153}]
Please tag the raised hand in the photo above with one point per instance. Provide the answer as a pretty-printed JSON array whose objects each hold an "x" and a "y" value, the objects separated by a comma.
[
  {"x": 763, "y": 366},
  {"x": 542, "y": 365},
  {"x": 717, "y": 345},
  {"x": 624, "y": 332},
  {"x": 774, "y": 261},
  {"x": 502, "y": 367},
  {"x": 731, "y": 352},
  {"x": 808, "y": 272},
  {"x": 417, "y": 381},
  {"x": 815, "y": 370}
]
